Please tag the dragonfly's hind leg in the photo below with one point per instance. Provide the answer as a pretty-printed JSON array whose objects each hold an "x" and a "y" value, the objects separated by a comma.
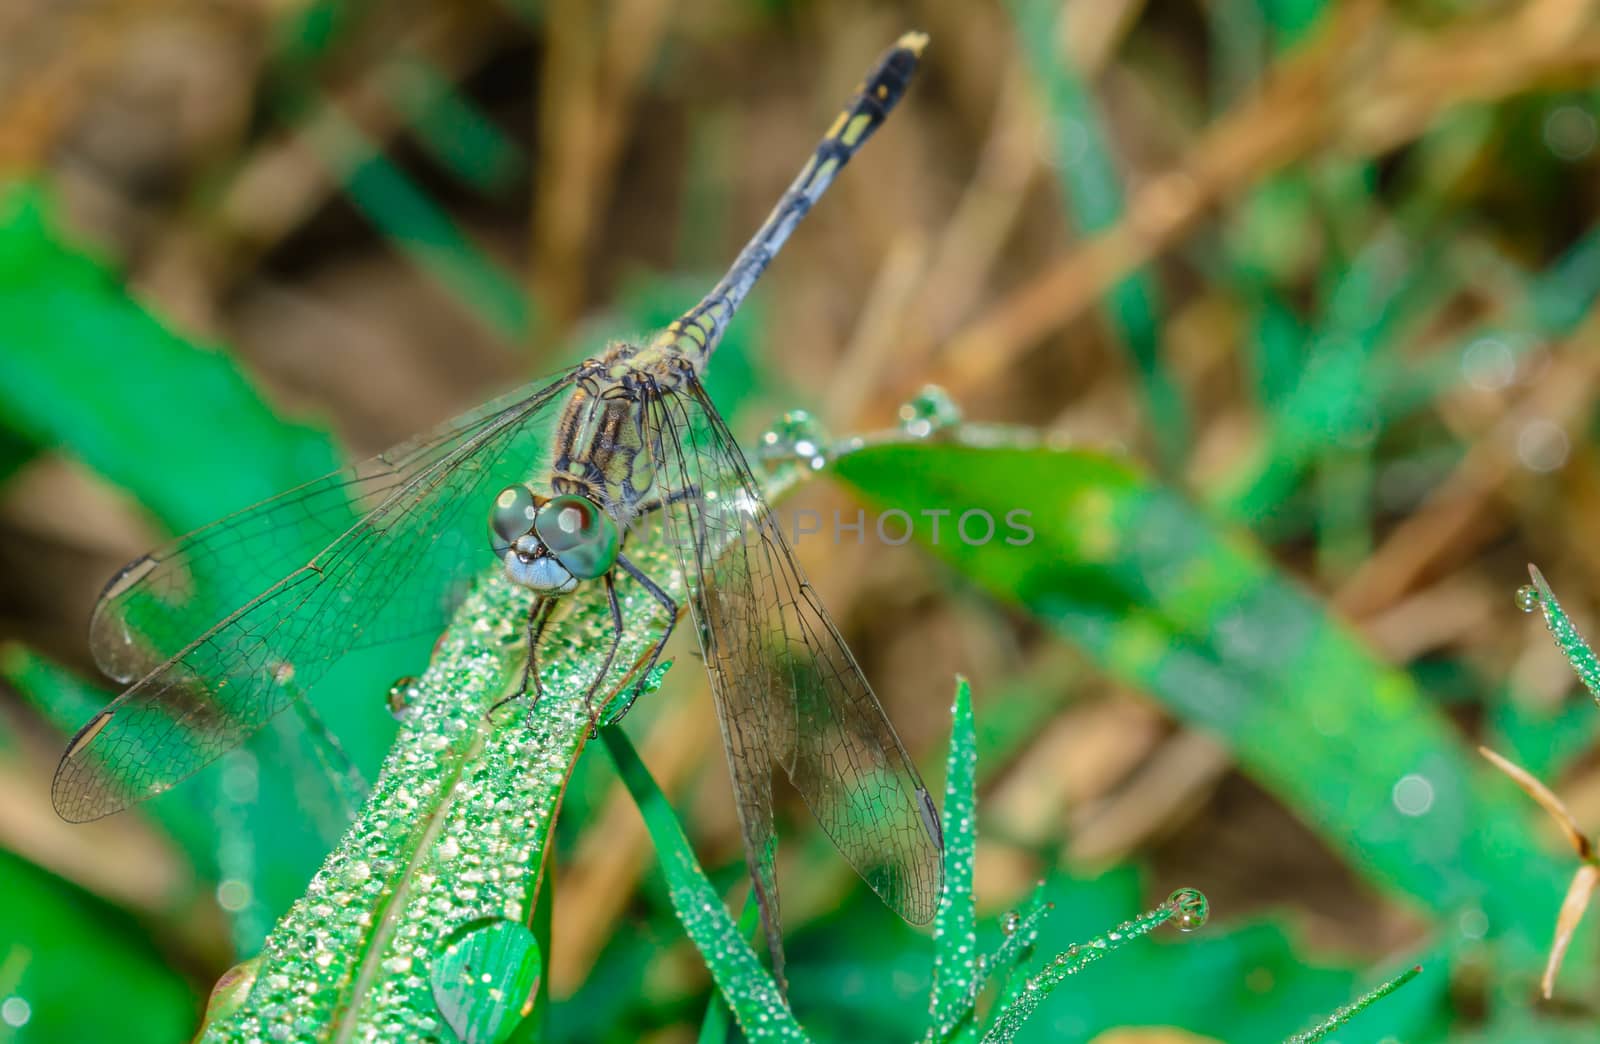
[
  {"x": 650, "y": 507},
  {"x": 655, "y": 651}
]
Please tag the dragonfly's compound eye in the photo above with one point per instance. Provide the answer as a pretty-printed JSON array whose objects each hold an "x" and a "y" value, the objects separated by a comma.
[
  {"x": 514, "y": 512},
  {"x": 582, "y": 537}
]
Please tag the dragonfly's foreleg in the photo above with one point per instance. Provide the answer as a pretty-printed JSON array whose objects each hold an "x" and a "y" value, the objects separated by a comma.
[
  {"x": 661, "y": 643},
  {"x": 538, "y": 619}
]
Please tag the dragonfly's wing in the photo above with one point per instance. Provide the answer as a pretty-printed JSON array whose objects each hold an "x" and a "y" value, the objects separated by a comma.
[
  {"x": 787, "y": 688},
  {"x": 242, "y": 619},
  {"x": 158, "y": 603}
]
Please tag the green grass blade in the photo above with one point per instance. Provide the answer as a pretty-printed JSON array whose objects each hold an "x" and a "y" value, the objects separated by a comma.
[
  {"x": 420, "y": 228},
  {"x": 1009, "y": 1020},
  {"x": 1351, "y": 1010},
  {"x": 718, "y": 1022},
  {"x": 751, "y": 992},
  {"x": 955, "y": 937},
  {"x": 1091, "y": 185},
  {"x": 452, "y": 128},
  {"x": 1019, "y": 936},
  {"x": 1571, "y": 643}
]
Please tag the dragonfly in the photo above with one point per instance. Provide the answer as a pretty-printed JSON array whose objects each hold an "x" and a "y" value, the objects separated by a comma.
[{"x": 565, "y": 468}]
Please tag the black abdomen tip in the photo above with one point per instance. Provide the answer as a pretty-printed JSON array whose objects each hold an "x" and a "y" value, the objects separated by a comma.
[{"x": 889, "y": 80}]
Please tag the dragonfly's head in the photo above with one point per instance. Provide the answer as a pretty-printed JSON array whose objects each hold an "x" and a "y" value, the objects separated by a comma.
[{"x": 549, "y": 544}]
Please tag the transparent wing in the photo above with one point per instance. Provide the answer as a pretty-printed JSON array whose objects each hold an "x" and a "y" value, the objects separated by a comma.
[
  {"x": 786, "y": 687},
  {"x": 225, "y": 627},
  {"x": 157, "y": 604}
]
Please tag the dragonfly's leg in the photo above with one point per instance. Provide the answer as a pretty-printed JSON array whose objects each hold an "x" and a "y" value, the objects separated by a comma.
[
  {"x": 538, "y": 619},
  {"x": 675, "y": 497},
  {"x": 617, "y": 632},
  {"x": 661, "y": 642},
  {"x": 648, "y": 507}
]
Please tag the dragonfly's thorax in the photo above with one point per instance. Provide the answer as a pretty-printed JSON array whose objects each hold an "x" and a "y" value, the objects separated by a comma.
[{"x": 599, "y": 450}]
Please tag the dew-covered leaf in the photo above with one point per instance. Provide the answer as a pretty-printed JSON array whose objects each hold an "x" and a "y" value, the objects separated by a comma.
[
  {"x": 954, "y": 935},
  {"x": 456, "y": 827}
]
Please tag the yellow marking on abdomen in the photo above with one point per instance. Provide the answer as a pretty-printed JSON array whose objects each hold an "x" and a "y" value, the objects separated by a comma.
[{"x": 852, "y": 133}]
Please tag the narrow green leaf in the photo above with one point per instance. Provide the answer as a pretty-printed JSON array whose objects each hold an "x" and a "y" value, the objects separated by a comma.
[
  {"x": 750, "y": 991},
  {"x": 1023, "y": 1003},
  {"x": 419, "y": 228},
  {"x": 1571, "y": 643},
  {"x": 1349, "y": 1011},
  {"x": 1091, "y": 185},
  {"x": 1019, "y": 936},
  {"x": 714, "y": 1028},
  {"x": 452, "y": 128},
  {"x": 1211, "y": 983},
  {"x": 955, "y": 937}
]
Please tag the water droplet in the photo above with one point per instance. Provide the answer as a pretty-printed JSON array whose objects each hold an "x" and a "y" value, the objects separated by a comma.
[
  {"x": 797, "y": 436},
  {"x": 1190, "y": 907},
  {"x": 1527, "y": 598},
  {"x": 1412, "y": 794},
  {"x": 1542, "y": 446},
  {"x": 491, "y": 953},
  {"x": 1010, "y": 921},
  {"x": 15, "y": 1012},
  {"x": 930, "y": 411},
  {"x": 1570, "y": 132},
  {"x": 400, "y": 696},
  {"x": 234, "y": 894},
  {"x": 1488, "y": 364}
]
